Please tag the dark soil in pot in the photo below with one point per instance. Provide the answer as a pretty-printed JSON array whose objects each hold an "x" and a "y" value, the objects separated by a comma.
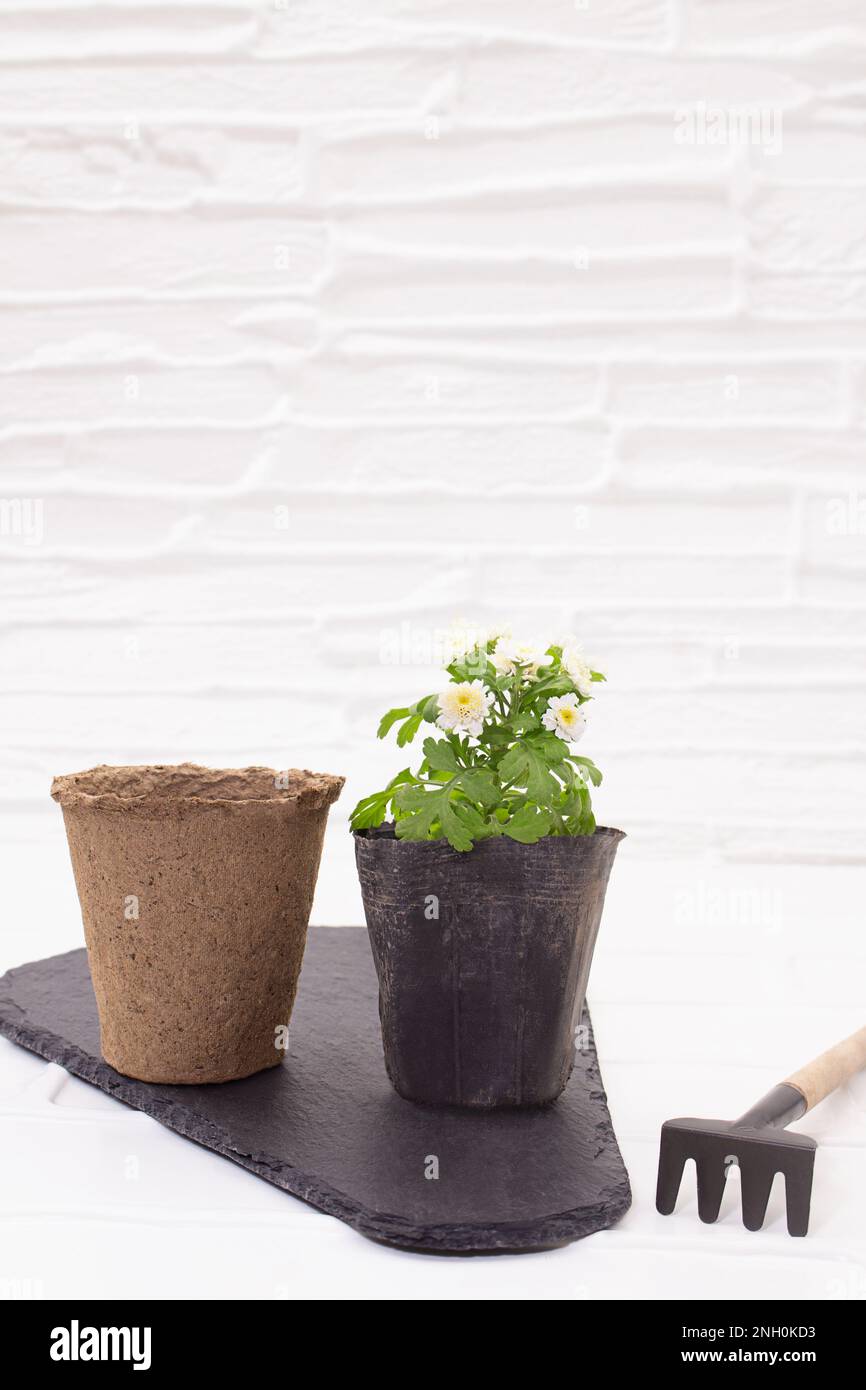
[
  {"x": 483, "y": 960},
  {"x": 195, "y": 887}
]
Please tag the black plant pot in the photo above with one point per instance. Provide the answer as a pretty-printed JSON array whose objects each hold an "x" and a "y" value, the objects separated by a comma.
[{"x": 483, "y": 960}]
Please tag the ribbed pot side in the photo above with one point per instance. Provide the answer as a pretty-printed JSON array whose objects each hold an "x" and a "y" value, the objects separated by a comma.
[
  {"x": 195, "y": 887},
  {"x": 483, "y": 960}
]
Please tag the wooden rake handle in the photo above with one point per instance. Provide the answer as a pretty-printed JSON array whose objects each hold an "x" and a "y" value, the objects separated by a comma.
[{"x": 819, "y": 1077}]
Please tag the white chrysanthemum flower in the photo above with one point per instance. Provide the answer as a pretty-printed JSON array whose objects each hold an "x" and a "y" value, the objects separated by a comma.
[
  {"x": 575, "y": 664},
  {"x": 511, "y": 655},
  {"x": 464, "y": 705},
  {"x": 564, "y": 718}
]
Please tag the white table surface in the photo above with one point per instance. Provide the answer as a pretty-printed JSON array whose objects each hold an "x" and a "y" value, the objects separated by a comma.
[{"x": 711, "y": 982}]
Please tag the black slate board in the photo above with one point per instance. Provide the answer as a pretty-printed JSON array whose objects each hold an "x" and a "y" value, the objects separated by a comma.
[{"x": 327, "y": 1126}]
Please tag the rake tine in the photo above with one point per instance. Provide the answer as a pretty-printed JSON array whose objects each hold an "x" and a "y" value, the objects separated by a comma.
[
  {"x": 798, "y": 1196},
  {"x": 756, "y": 1184},
  {"x": 712, "y": 1176},
  {"x": 672, "y": 1161}
]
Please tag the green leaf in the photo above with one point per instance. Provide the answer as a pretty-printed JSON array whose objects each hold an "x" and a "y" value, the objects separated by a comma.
[
  {"x": 440, "y": 755},
  {"x": 372, "y": 810},
  {"x": 556, "y": 684},
  {"x": 566, "y": 774},
  {"x": 390, "y": 718},
  {"x": 528, "y": 824},
  {"x": 526, "y": 721},
  {"x": 470, "y": 817},
  {"x": 427, "y": 809},
  {"x": 578, "y": 814},
  {"x": 454, "y": 830},
  {"x": 524, "y": 766},
  {"x": 411, "y": 797},
  {"x": 407, "y": 731},
  {"x": 479, "y": 784},
  {"x": 398, "y": 780},
  {"x": 412, "y": 827},
  {"x": 496, "y": 736},
  {"x": 589, "y": 767},
  {"x": 488, "y": 830},
  {"x": 587, "y": 819},
  {"x": 419, "y": 808},
  {"x": 551, "y": 748}
]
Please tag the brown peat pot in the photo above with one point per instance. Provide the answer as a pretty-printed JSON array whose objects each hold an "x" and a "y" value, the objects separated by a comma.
[
  {"x": 483, "y": 960},
  {"x": 195, "y": 887}
]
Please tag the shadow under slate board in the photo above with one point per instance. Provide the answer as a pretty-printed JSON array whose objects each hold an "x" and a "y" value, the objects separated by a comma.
[{"x": 327, "y": 1127}]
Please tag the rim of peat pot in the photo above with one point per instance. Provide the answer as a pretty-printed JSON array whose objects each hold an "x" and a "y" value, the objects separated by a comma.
[{"x": 165, "y": 787}]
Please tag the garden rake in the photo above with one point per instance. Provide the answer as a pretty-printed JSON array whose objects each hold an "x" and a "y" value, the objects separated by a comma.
[{"x": 758, "y": 1143}]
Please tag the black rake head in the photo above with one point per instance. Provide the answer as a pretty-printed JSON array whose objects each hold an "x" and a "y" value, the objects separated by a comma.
[{"x": 760, "y": 1154}]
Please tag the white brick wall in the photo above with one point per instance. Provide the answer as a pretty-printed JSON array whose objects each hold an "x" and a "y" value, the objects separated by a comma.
[{"x": 442, "y": 279}]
